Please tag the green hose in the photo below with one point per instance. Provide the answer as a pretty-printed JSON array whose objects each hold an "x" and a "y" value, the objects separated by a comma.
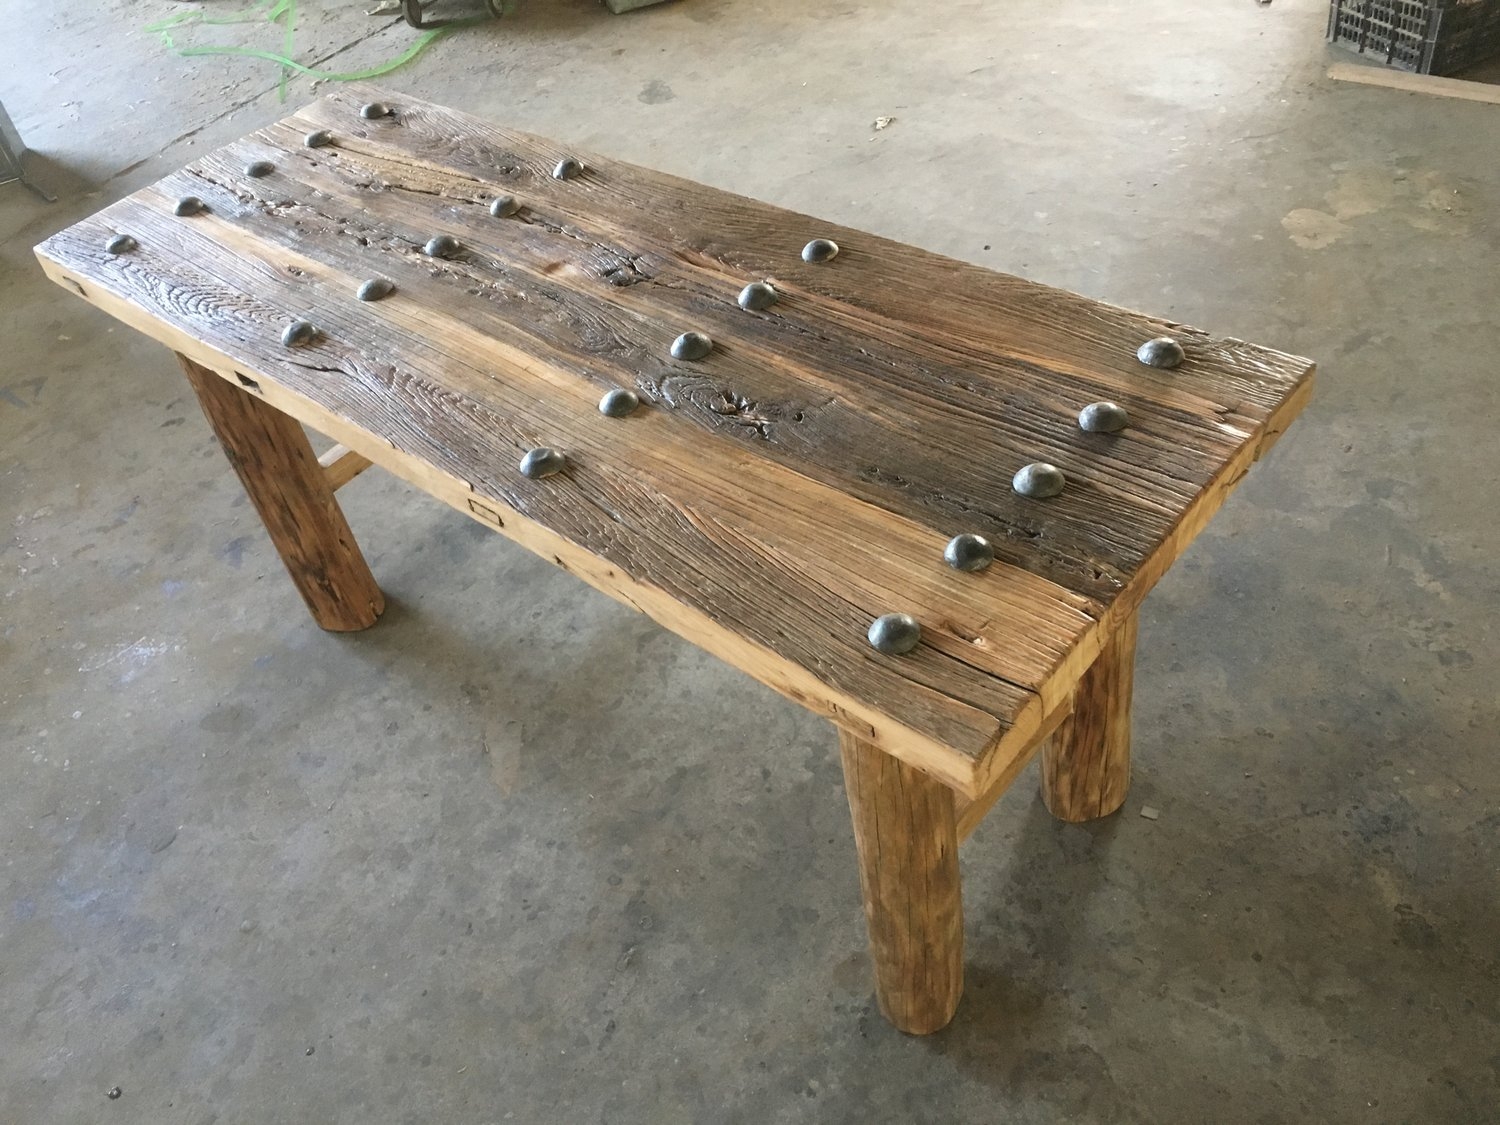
[{"x": 285, "y": 13}]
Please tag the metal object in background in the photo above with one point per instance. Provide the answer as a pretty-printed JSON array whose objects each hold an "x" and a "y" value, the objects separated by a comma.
[
  {"x": 758, "y": 296},
  {"x": 820, "y": 250},
  {"x": 1426, "y": 36},
  {"x": 376, "y": 289},
  {"x": 412, "y": 12},
  {"x": 619, "y": 403},
  {"x": 299, "y": 332},
  {"x": 12, "y": 153}
]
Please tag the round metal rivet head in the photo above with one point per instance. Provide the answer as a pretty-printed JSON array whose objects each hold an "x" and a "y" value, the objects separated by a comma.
[
  {"x": 619, "y": 403},
  {"x": 504, "y": 206},
  {"x": 441, "y": 246},
  {"x": 542, "y": 462},
  {"x": 691, "y": 345},
  {"x": 1039, "y": 480},
  {"x": 969, "y": 552},
  {"x": 113, "y": 1093},
  {"x": 1103, "y": 418},
  {"x": 121, "y": 244},
  {"x": 1161, "y": 352},
  {"x": 567, "y": 168},
  {"x": 188, "y": 205},
  {"x": 375, "y": 289},
  {"x": 758, "y": 295},
  {"x": 258, "y": 168},
  {"x": 371, "y": 110},
  {"x": 318, "y": 138},
  {"x": 895, "y": 634},
  {"x": 299, "y": 332},
  {"x": 820, "y": 250}
]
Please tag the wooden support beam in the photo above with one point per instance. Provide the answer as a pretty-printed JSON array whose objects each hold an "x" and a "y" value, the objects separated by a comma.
[
  {"x": 971, "y": 812},
  {"x": 279, "y": 470},
  {"x": 341, "y": 465},
  {"x": 1086, "y": 762},
  {"x": 904, "y": 830}
]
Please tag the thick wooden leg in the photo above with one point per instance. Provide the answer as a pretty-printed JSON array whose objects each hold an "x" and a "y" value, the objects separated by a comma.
[
  {"x": 904, "y": 828},
  {"x": 290, "y": 490},
  {"x": 1086, "y": 762}
]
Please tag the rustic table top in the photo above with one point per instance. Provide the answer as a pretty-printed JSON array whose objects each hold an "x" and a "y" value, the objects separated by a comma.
[{"x": 768, "y": 500}]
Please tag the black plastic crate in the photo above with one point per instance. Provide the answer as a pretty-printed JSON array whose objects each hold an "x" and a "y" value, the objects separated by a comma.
[{"x": 1427, "y": 36}]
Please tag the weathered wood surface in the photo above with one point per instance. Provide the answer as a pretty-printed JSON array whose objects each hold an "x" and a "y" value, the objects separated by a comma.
[
  {"x": 904, "y": 830},
  {"x": 287, "y": 485},
  {"x": 766, "y": 502},
  {"x": 1086, "y": 762}
]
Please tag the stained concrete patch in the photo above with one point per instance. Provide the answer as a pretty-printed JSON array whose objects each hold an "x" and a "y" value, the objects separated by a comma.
[{"x": 1313, "y": 230}]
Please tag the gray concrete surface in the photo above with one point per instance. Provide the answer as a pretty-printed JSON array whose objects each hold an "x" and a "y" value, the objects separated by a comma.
[{"x": 519, "y": 855}]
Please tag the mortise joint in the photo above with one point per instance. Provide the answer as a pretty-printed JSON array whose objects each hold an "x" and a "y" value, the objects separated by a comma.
[{"x": 246, "y": 381}]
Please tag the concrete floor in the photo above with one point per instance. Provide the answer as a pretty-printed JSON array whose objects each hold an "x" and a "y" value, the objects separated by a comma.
[{"x": 519, "y": 855}]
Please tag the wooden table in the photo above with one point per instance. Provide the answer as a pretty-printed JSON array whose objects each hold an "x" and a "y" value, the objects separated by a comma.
[{"x": 768, "y": 500}]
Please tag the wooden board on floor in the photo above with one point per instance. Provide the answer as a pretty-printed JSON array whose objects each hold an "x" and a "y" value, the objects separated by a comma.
[
  {"x": 768, "y": 501},
  {"x": 1415, "y": 83}
]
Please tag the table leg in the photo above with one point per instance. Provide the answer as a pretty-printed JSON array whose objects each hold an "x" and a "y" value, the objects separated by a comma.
[
  {"x": 905, "y": 831},
  {"x": 289, "y": 489},
  {"x": 1086, "y": 762}
]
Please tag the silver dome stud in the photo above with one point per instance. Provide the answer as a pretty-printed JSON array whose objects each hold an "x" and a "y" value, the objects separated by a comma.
[
  {"x": 318, "y": 138},
  {"x": 567, "y": 168},
  {"x": 258, "y": 168},
  {"x": 299, "y": 332},
  {"x": 619, "y": 403},
  {"x": 542, "y": 462},
  {"x": 820, "y": 250},
  {"x": 121, "y": 244},
  {"x": 1103, "y": 418},
  {"x": 188, "y": 205},
  {"x": 758, "y": 295},
  {"x": 1161, "y": 352},
  {"x": 691, "y": 345},
  {"x": 371, "y": 110},
  {"x": 504, "y": 206},
  {"x": 441, "y": 246},
  {"x": 375, "y": 289},
  {"x": 1039, "y": 480},
  {"x": 969, "y": 552},
  {"x": 895, "y": 634}
]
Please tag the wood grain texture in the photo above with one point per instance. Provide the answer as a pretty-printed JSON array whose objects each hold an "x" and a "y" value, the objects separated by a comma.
[
  {"x": 341, "y": 465},
  {"x": 1086, "y": 762},
  {"x": 905, "y": 832},
  {"x": 286, "y": 484},
  {"x": 767, "y": 502}
]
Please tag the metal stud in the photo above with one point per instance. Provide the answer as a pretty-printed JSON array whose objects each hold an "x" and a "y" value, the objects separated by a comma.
[
  {"x": 1103, "y": 418},
  {"x": 542, "y": 462},
  {"x": 1161, "y": 352},
  {"x": 820, "y": 250},
  {"x": 1039, "y": 480},
  {"x": 567, "y": 168},
  {"x": 121, "y": 244},
  {"x": 969, "y": 552},
  {"x": 299, "y": 332},
  {"x": 371, "y": 110},
  {"x": 619, "y": 403},
  {"x": 188, "y": 205},
  {"x": 504, "y": 206},
  {"x": 258, "y": 168},
  {"x": 691, "y": 345},
  {"x": 375, "y": 289},
  {"x": 318, "y": 138},
  {"x": 441, "y": 246},
  {"x": 895, "y": 634},
  {"x": 758, "y": 295}
]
